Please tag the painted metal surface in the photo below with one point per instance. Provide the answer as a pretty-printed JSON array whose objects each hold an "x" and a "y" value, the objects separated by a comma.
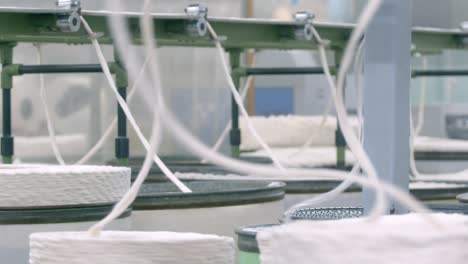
[
  {"x": 39, "y": 25},
  {"x": 386, "y": 98}
]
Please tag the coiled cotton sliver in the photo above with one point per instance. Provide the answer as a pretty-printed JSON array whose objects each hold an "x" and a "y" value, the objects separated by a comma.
[
  {"x": 33, "y": 186},
  {"x": 113, "y": 247},
  {"x": 290, "y": 131},
  {"x": 404, "y": 239}
]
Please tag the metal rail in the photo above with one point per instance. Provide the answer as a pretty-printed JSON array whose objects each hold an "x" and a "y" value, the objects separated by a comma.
[
  {"x": 62, "y": 68},
  {"x": 438, "y": 73},
  {"x": 39, "y": 25}
]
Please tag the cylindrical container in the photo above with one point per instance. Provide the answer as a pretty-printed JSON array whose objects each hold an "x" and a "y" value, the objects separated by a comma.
[
  {"x": 247, "y": 236},
  {"x": 55, "y": 198},
  {"x": 449, "y": 208},
  {"x": 463, "y": 198},
  {"x": 247, "y": 242},
  {"x": 113, "y": 247},
  {"x": 442, "y": 155},
  {"x": 297, "y": 190},
  {"x": 437, "y": 192},
  {"x": 214, "y": 207},
  {"x": 187, "y": 164},
  {"x": 300, "y": 190},
  {"x": 434, "y": 192},
  {"x": 449, "y": 165}
]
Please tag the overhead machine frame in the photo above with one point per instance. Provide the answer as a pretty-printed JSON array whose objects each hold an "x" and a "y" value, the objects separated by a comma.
[{"x": 181, "y": 30}]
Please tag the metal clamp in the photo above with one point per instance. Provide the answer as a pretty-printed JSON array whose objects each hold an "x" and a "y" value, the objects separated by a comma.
[
  {"x": 197, "y": 25},
  {"x": 69, "y": 19},
  {"x": 304, "y": 30},
  {"x": 464, "y": 28}
]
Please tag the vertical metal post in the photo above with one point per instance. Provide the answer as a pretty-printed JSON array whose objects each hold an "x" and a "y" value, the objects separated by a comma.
[
  {"x": 340, "y": 141},
  {"x": 235, "y": 133},
  {"x": 7, "y": 140},
  {"x": 386, "y": 96},
  {"x": 122, "y": 144},
  {"x": 250, "y": 13}
]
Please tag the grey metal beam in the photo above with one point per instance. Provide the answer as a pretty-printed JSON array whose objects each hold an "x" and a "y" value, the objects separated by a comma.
[{"x": 386, "y": 96}]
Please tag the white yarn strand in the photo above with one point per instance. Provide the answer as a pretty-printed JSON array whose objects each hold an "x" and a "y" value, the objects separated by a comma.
[
  {"x": 239, "y": 101},
  {"x": 342, "y": 187},
  {"x": 131, "y": 195},
  {"x": 415, "y": 131},
  {"x": 127, "y": 111},
  {"x": 422, "y": 100},
  {"x": 113, "y": 124},
  {"x": 50, "y": 126},
  {"x": 380, "y": 205},
  {"x": 226, "y": 129},
  {"x": 121, "y": 39},
  {"x": 331, "y": 102},
  {"x": 43, "y": 97},
  {"x": 364, "y": 20}
]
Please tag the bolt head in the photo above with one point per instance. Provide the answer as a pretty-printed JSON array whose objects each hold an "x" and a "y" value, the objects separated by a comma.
[
  {"x": 464, "y": 26},
  {"x": 196, "y": 11},
  {"x": 68, "y": 4},
  {"x": 303, "y": 16}
]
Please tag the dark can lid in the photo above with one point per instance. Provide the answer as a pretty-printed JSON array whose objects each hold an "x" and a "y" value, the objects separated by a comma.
[
  {"x": 55, "y": 215},
  {"x": 164, "y": 195}
]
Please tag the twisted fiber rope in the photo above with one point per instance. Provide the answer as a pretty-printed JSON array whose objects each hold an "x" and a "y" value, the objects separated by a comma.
[
  {"x": 23, "y": 186},
  {"x": 130, "y": 247}
]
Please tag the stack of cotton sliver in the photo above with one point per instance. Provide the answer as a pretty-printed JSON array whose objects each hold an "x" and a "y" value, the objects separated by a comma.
[
  {"x": 392, "y": 239},
  {"x": 130, "y": 247}
]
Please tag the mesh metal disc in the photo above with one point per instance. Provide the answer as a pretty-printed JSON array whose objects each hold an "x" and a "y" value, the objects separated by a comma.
[{"x": 332, "y": 213}]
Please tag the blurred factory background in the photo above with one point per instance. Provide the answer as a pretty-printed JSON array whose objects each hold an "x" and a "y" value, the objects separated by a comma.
[{"x": 82, "y": 105}]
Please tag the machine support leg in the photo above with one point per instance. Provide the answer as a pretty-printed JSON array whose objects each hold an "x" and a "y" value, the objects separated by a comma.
[
  {"x": 340, "y": 141},
  {"x": 122, "y": 152},
  {"x": 122, "y": 143},
  {"x": 7, "y": 140},
  {"x": 235, "y": 133}
]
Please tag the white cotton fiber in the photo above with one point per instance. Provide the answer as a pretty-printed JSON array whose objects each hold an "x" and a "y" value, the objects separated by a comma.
[
  {"x": 407, "y": 239},
  {"x": 309, "y": 157},
  {"x": 113, "y": 247},
  {"x": 288, "y": 131},
  {"x": 48, "y": 185},
  {"x": 429, "y": 144},
  {"x": 294, "y": 131}
]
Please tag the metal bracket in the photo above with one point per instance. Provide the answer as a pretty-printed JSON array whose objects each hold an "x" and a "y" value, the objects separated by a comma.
[
  {"x": 69, "y": 19},
  {"x": 304, "y": 30},
  {"x": 464, "y": 28},
  {"x": 197, "y": 25}
]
